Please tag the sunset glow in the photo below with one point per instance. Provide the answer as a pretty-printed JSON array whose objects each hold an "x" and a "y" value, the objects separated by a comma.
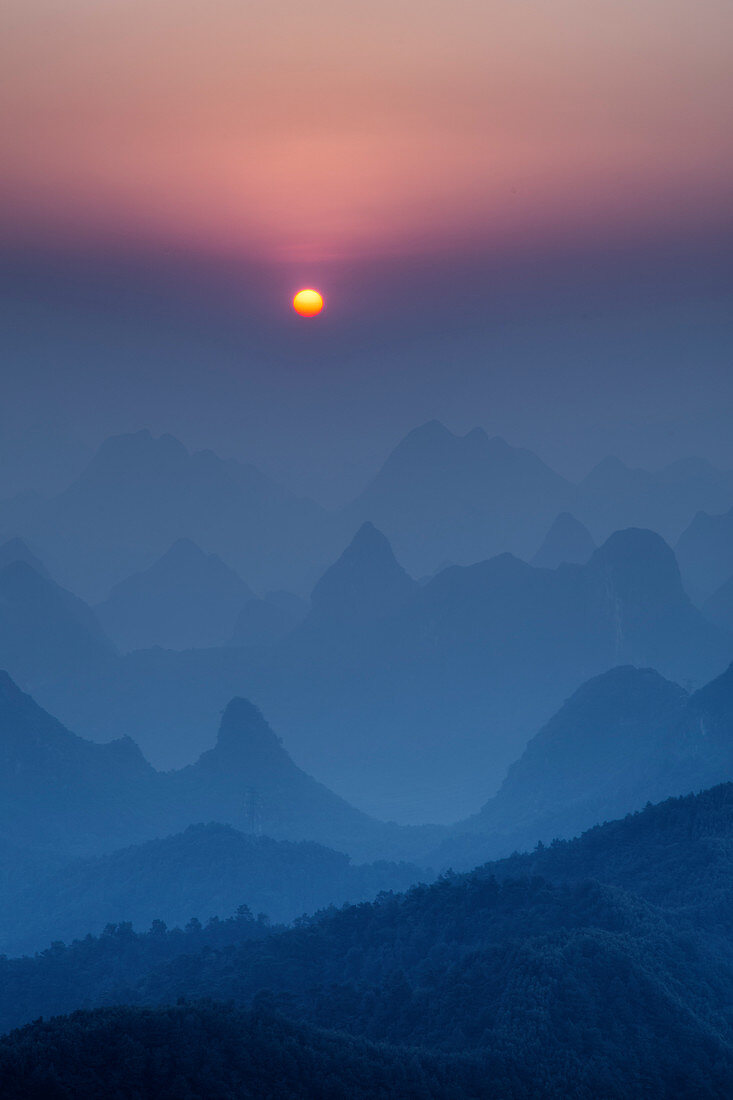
[{"x": 497, "y": 121}]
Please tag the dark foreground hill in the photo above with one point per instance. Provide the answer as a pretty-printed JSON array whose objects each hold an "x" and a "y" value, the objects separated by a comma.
[
  {"x": 561, "y": 985},
  {"x": 676, "y": 855},
  {"x": 207, "y": 1051}
]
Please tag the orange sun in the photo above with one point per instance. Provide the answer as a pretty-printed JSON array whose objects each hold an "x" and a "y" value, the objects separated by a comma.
[{"x": 308, "y": 302}]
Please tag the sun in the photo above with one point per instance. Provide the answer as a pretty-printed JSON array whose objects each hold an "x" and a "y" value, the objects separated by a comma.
[{"x": 308, "y": 302}]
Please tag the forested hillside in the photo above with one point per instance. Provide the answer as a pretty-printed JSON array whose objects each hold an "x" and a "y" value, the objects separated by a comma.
[{"x": 582, "y": 982}]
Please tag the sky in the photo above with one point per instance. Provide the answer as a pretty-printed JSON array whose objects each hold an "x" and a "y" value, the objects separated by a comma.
[{"x": 518, "y": 211}]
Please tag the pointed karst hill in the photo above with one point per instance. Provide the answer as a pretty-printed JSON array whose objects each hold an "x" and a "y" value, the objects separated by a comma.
[
  {"x": 611, "y": 747},
  {"x": 439, "y": 696},
  {"x": 18, "y": 550},
  {"x": 640, "y": 569},
  {"x": 463, "y": 498},
  {"x": 366, "y": 583},
  {"x": 638, "y": 582},
  {"x": 46, "y": 633},
  {"x": 69, "y": 796},
  {"x": 567, "y": 541},
  {"x": 187, "y": 599},
  {"x": 60, "y": 792},
  {"x": 623, "y": 739},
  {"x": 248, "y": 780}
]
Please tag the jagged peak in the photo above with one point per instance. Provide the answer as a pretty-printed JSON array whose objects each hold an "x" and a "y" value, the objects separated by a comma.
[
  {"x": 430, "y": 430},
  {"x": 368, "y": 539},
  {"x": 183, "y": 557},
  {"x": 130, "y": 450},
  {"x": 424, "y": 442},
  {"x": 366, "y": 579},
  {"x": 245, "y": 733},
  {"x": 611, "y": 465},
  {"x": 185, "y": 550}
]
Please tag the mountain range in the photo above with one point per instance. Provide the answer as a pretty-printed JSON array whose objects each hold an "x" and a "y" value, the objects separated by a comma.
[
  {"x": 139, "y": 494},
  {"x": 439, "y": 685},
  {"x": 70, "y": 797},
  {"x": 624, "y": 738},
  {"x": 614, "y": 495},
  {"x": 438, "y": 497},
  {"x": 464, "y": 498}
]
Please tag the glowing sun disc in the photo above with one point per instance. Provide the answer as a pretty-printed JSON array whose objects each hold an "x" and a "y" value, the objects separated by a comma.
[{"x": 308, "y": 302}]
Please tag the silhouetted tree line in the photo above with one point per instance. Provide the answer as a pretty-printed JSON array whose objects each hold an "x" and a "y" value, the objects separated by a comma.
[{"x": 206, "y": 1051}]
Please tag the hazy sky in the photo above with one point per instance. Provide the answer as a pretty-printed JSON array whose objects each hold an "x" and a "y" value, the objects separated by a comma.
[{"x": 519, "y": 212}]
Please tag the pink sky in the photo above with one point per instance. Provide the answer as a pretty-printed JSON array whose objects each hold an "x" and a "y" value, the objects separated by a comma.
[{"x": 340, "y": 128}]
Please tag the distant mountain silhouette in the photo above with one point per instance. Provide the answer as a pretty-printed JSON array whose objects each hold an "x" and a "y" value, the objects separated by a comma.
[
  {"x": 248, "y": 780},
  {"x": 46, "y": 633},
  {"x": 441, "y": 694},
  {"x": 442, "y": 496},
  {"x": 438, "y": 497},
  {"x": 625, "y": 738},
  {"x": 64, "y": 794},
  {"x": 415, "y": 713},
  {"x": 17, "y": 550},
  {"x": 72, "y": 796},
  {"x": 139, "y": 494},
  {"x": 705, "y": 553},
  {"x": 567, "y": 542},
  {"x": 187, "y": 599},
  {"x": 614, "y": 495},
  {"x": 365, "y": 583}
]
